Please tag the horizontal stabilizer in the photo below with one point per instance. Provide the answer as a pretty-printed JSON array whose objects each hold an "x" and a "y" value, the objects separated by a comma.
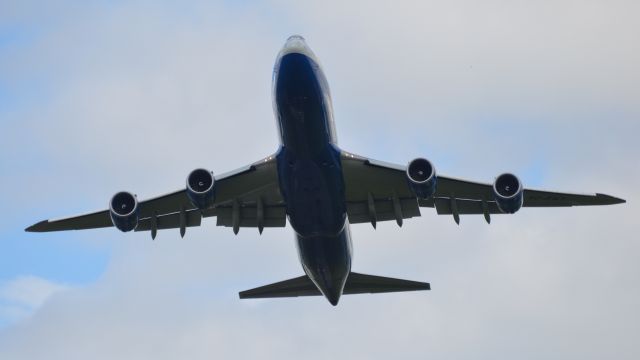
[
  {"x": 362, "y": 284},
  {"x": 300, "y": 286},
  {"x": 356, "y": 284}
]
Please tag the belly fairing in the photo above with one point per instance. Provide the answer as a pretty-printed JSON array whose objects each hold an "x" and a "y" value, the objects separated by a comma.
[{"x": 313, "y": 190}]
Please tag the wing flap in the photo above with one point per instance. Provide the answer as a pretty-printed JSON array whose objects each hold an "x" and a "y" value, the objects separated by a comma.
[
  {"x": 444, "y": 206},
  {"x": 272, "y": 216},
  {"x": 170, "y": 221},
  {"x": 383, "y": 210}
]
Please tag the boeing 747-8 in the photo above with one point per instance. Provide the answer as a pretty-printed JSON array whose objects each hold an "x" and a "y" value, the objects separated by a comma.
[{"x": 320, "y": 188}]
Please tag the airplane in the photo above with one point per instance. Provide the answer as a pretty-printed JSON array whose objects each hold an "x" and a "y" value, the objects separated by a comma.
[{"x": 321, "y": 190}]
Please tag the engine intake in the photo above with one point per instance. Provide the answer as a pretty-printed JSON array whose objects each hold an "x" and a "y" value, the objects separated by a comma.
[
  {"x": 508, "y": 193},
  {"x": 421, "y": 176},
  {"x": 123, "y": 209},
  {"x": 201, "y": 188}
]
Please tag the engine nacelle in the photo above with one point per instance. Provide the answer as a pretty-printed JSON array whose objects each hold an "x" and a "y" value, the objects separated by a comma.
[
  {"x": 421, "y": 176},
  {"x": 200, "y": 188},
  {"x": 508, "y": 193},
  {"x": 124, "y": 210}
]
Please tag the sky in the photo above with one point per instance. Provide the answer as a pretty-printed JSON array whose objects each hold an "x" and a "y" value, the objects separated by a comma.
[{"x": 102, "y": 96}]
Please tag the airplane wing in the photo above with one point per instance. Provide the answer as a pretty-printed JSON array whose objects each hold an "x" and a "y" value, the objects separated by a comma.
[
  {"x": 379, "y": 191},
  {"x": 247, "y": 197}
]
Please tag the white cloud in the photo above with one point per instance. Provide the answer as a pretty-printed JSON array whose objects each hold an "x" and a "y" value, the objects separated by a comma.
[{"x": 24, "y": 295}]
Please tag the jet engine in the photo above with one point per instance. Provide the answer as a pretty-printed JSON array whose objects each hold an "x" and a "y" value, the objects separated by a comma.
[
  {"x": 123, "y": 209},
  {"x": 421, "y": 176},
  {"x": 200, "y": 188},
  {"x": 508, "y": 193}
]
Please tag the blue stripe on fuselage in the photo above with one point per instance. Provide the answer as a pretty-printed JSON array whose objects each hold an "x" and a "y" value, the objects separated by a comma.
[{"x": 310, "y": 172}]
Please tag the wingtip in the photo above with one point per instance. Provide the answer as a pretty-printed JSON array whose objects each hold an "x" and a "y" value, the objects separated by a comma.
[
  {"x": 37, "y": 227},
  {"x": 611, "y": 200}
]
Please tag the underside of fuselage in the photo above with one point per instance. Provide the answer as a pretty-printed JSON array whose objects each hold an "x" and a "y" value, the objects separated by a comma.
[{"x": 309, "y": 168}]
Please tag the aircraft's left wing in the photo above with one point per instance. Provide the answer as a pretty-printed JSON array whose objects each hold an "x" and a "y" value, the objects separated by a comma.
[
  {"x": 379, "y": 191},
  {"x": 247, "y": 197}
]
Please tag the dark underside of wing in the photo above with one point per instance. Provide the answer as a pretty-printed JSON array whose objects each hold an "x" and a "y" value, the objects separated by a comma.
[
  {"x": 356, "y": 284},
  {"x": 247, "y": 197},
  {"x": 378, "y": 191}
]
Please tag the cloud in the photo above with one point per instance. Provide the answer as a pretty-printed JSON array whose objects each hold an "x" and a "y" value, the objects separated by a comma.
[
  {"x": 23, "y": 296},
  {"x": 133, "y": 96}
]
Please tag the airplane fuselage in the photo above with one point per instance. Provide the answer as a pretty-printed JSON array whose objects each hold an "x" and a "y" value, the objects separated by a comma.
[{"x": 309, "y": 168}]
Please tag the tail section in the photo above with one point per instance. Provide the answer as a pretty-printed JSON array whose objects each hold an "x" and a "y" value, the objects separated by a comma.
[{"x": 356, "y": 284}]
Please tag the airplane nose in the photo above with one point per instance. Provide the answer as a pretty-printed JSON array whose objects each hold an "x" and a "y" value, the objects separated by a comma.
[
  {"x": 296, "y": 44},
  {"x": 296, "y": 36}
]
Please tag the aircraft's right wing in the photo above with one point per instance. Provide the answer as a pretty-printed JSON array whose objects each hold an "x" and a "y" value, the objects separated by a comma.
[
  {"x": 379, "y": 191},
  {"x": 247, "y": 197}
]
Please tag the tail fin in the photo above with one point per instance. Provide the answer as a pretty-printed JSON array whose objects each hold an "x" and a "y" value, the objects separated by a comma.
[{"x": 356, "y": 284}]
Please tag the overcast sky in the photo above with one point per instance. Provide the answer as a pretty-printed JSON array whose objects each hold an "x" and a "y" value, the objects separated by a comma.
[{"x": 102, "y": 96}]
